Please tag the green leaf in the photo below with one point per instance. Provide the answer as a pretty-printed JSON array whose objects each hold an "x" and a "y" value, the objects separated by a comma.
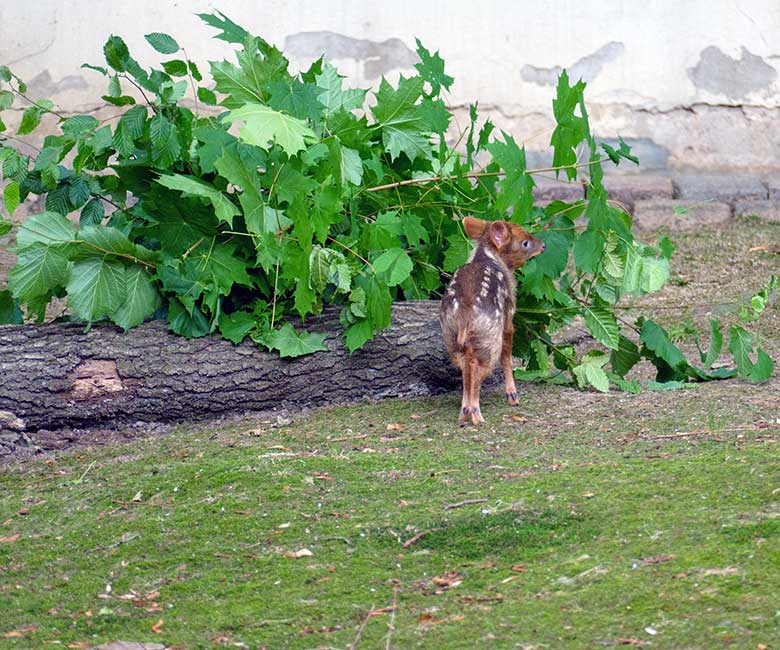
[
  {"x": 6, "y": 99},
  {"x": 49, "y": 228},
  {"x": 396, "y": 114},
  {"x": 291, "y": 343},
  {"x": 231, "y": 32},
  {"x": 263, "y": 125},
  {"x": 196, "y": 75},
  {"x": 207, "y": 96},
  {"x": 570, "y": 129},
  {"x": 97, "y": 287},
  {"x": 457, "y": 253},
  {"x": 603, "y": 325},
  {"x": 654, "y": 274},
  {"x": 741, "y": 347},
  {"x": 241, "y": 173},
  {"x": 10, "y": 314},
  {"x": 142, "y": 299},
  {"x": 656, "y": 339},
  {"x": 163, "y": 43},
  {"x": 58, "y": 201},
  {"x": 99, "y": 241},
  {"x": 190, "y": 324},
  {"x": 165, "y": 141},
  {"x": 78, "y": 192},
  {"x": 763, "y": 368},
  {"x": 31, "y": 118},
  {"x": 591, "y": 371},
  {"x": 393, "y": 266},
  {"x": 297, "y": 99},
  {"x": 76, "y": 125},
  {"x": 39, "y": 269},
  {"x": 129, "y": 128},
  {"x": 716, "y": 344},
  {"x": 431, "y": 69},
  {"x": 332, "y": 96},
  {"x": 5, "y": 227},
  {"x": 92, "y": 213},
  {"x": 667, "y": 385},
  {"x": 237, "y": 326},
  {"x": 11, "y": 196},
  {"x": 625, "y": 357},
  {"x": 122, "y": 100},
  {"x": 378, "y": 302},
  {"x": 351, "y": 166},
  {"x": 667, "y": 247},
  {"x": 587, "y": 250},
  {"x": 175, "y": 67},
  {"x": 225, "y": 209},
  {"x": 116, "y": 53}
]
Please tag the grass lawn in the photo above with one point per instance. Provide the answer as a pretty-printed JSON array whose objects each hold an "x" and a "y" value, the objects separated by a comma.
[
  {"x": 649, "y": 519},
  {"x": 578, "y": 520}
]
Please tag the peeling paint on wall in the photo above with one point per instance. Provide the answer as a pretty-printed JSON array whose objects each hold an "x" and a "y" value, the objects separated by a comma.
[
  {"x": 720, "y": 74},
  {"x": 43, "y": 85},
  {"x": 378, "y": 57},
  {"x": 587, "y": 68}
]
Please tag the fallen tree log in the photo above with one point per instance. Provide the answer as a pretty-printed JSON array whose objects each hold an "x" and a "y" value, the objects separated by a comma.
[{"x": 58, "y": 375}]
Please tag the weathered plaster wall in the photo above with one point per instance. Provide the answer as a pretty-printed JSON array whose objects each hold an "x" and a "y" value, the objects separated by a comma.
[{"x": 693, "y": 84}]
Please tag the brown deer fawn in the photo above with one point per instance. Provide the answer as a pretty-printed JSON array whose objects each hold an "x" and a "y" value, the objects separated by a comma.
[{"x": 477, "y": 310}]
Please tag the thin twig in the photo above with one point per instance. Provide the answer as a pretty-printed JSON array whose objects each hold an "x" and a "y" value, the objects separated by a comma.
[
  {"x": 391, "y": 625},
  {"x": 710, "y": 432},
  {"x": 459, "y": 504},
  {"x": 361, "y": 628},
  {"x": 192, "y": 81},
  {"x": 140, "y": 90},
  {"x": 273, "y": 303},
  {"x": 433, "y": 179},
  {"x": 86, "y": 471},
  {"x": 356, "y": 254},
  {"x": 412, "y": 540}
]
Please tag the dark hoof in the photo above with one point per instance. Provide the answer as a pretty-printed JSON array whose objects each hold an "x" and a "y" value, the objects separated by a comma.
[{"x": 512, "y": 398}]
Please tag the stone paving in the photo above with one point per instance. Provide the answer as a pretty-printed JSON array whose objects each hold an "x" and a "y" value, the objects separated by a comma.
[{"x": 682, "y": 201}]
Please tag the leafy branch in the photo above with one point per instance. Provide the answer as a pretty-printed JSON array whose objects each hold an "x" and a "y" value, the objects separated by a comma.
[{"x": 246, "y": 222}]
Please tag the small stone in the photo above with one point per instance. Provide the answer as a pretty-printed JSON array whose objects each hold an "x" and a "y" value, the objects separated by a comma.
[
  {"x": 768, "y": 210},
  {"x": 628, "y": 189},
  {"x": 548, "y": 189},
  {"x": 727, "y": 188},
  {"x": 655, "y": 214}
]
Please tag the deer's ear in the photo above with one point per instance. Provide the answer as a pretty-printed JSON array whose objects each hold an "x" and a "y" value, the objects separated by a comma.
[
  {"x": 499, "y": 233},
  {"x": 474, "y": 227}
]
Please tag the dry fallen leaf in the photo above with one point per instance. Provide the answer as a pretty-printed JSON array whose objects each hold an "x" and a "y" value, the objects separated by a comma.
[
  {"x": 658, "y": 559},
  {"x": 304, "y": 552},
  {"x": 520, "y": 568},
  {"x": 17, "y": 634},
  {"x": 394, "y": 427},
  {"x": 157, "y": 627},
  {"x": 9, "y": 538}
]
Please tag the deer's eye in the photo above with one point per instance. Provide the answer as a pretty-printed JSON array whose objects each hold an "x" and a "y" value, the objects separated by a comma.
[{"x": 526, "y": 243}]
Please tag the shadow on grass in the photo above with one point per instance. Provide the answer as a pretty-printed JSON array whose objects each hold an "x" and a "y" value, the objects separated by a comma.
[{"x": 478, "y": 535}]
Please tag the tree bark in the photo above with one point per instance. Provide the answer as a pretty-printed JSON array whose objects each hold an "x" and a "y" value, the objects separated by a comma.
[{"x": 58, "y": 375}]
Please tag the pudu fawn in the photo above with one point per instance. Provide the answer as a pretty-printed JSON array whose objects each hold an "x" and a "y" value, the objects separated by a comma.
[{"x": 477, "y": 310}]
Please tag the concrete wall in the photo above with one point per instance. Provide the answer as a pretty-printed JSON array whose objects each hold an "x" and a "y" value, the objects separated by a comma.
[{"x": 692, "y": 84}]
